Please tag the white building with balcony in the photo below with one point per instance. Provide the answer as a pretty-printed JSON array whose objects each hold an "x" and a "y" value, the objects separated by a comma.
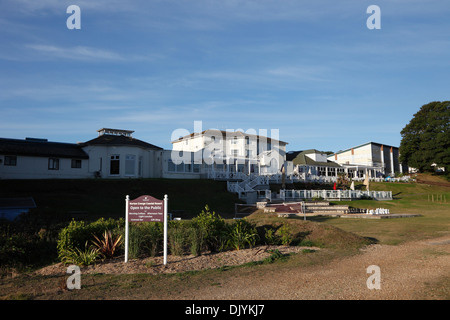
[{"x": 224, "y": 154}]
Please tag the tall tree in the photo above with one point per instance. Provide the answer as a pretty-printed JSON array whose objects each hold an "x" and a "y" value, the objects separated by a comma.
[{"x": 426, "y": 138}]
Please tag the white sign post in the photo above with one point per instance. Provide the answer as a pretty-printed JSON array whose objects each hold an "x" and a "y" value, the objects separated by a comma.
[
  {"x": 127, "y": 199},
  {"x": 146, "y": 208},
  {"x": 166, "y": 217}
]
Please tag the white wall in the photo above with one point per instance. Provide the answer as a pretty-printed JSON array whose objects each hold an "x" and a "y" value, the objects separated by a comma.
[
  {"x": 28, "y": 167},
  {"x": 361, "y": 155},
  {"x": 134, "y": 162}
]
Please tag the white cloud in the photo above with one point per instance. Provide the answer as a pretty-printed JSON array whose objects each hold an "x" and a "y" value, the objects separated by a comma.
[{"x": 76, "y": 53}]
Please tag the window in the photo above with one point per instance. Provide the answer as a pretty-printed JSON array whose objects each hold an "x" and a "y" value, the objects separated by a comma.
[
  {"x": 53, "y": 164},
  {"x": 10, "y": 160},
  {"x": 234, "y": 141},
  {"x": 322, "y": 171},
  {"x": 114, "y": 164},
  {"x": 130, "y": 164},
  {"x": 171, "y": 166},
  {"x": 76, "y": 163},
  {"x": 235, "y": 152}
]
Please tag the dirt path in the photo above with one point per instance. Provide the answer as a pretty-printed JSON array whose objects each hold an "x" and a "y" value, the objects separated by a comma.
[{"x": 415, "y": 270}]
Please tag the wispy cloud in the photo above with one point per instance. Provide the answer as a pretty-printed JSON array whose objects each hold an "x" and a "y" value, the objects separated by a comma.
[{"x": 76, "y": 53}]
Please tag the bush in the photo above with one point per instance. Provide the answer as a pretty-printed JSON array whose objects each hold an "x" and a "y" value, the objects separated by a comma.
[
  {"x": 212, "y": 228},
  {"x": 145, "y": 238},
  {"x": 107, "y": 245},
  {"x": 84, "y": 257},
  {"x": 23, "y": 250},
  {"x": 286, "y": 235},
  {"x": 240, "y": 234},
  {"x": 74, "y": 237},
  {"x": 196, "y": 239},
  {"x": 176, "y": 235}
]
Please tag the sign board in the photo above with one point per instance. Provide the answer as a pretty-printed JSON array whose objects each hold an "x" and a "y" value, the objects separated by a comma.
[{"x": 146, "y": 208}]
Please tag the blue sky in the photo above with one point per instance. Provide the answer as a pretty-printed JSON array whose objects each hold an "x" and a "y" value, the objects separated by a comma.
[{"x": 311, "y": 69}]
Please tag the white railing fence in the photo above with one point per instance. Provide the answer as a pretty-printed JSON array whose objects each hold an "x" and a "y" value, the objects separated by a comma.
[{"x": 295, "y": 195}]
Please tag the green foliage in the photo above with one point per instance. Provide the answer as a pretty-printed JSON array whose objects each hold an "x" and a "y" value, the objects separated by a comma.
[
  {"x": 22, "y": 250},
  {"x": 145, "y": 238},
  {"x": 274, "y": 256},
  {"x": 426, "y": 138},
  {"x": 177, "y": 237},
  {"x": 270, "y": 236},
  {"x": 196, "y": 240},
  {"x": 83, "y": 257},
  {"x": 213, "y": 229},
  {"x": 74, "y": 237},
  {"x": 241, "y": 233},
  {"x": 285, "y": 234}
]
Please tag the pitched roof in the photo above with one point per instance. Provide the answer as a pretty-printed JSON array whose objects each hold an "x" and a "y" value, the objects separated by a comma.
[
  {"x": 41, "y": 148},
  {"x": 301, "y": 159},
  {"x": 119, "y": 140}
]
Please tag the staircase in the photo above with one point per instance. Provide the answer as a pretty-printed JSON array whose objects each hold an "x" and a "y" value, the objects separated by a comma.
[{"x": 249, "y": 183}]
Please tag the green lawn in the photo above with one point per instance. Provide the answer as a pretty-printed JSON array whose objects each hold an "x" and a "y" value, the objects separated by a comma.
[{"x": 408, "y": 198}]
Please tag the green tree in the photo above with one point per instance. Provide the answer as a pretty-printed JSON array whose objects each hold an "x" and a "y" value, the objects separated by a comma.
[{"x": 426, "y": 138}]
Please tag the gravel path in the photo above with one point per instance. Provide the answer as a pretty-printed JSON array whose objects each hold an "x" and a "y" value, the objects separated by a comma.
[{"x": 406, "y": 271}]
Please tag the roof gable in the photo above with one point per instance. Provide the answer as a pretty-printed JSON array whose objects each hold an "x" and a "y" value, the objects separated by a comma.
[{"x": 119, "y": 140}]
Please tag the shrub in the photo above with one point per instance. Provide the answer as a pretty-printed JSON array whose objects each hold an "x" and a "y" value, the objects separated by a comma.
[
  {"x": 77, "y": 233},
  {"x": 145, "y": 238},
  {"x": 270, "y": 236},
  {"x": 153, "y": 237},
  {"x": 81, "y": 257},
  {"x": 107, "y": 246},
  {"x": 241, "y": 233},
  {"x": 176, "y": 235},
  {"x": 196, "y": 240},
  {"x": 213, "y": 229},
  {"x": 285, "y": 234}
]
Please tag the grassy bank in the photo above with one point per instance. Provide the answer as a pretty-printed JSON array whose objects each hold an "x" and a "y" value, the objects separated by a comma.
[{"x": 408, "y": 198}]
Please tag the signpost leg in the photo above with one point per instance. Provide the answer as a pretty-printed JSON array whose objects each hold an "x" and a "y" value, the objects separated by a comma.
[
  {"x": 166, "y": 200},
  {"x": 126, "y": 228}
]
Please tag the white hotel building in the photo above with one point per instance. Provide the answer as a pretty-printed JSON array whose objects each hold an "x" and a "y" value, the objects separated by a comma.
[
  {"x": 212, "y": 154},
  {"x": 217, "y": 153}
]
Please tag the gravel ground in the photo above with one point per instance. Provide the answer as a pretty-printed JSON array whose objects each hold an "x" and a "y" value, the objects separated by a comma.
[{"x": 177, "y": 263}]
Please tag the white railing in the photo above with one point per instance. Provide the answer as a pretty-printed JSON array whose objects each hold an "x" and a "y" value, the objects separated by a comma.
[
  {"x": 326, "y": 195},
  {"x": 335, "y": 194}
]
